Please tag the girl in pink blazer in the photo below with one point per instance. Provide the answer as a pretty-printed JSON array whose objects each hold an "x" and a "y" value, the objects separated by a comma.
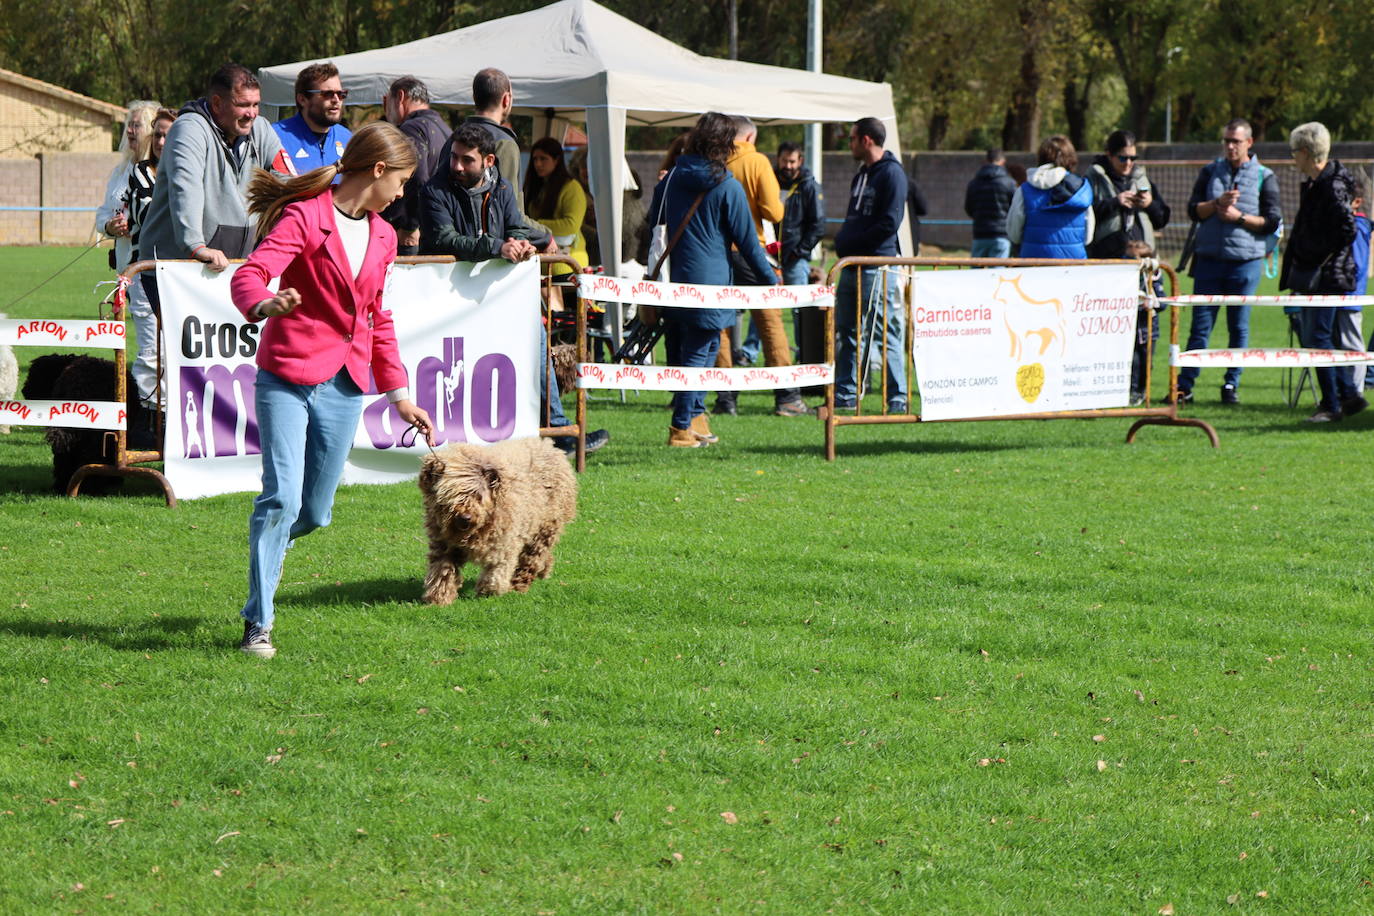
[{"x": 325, "y": 332}]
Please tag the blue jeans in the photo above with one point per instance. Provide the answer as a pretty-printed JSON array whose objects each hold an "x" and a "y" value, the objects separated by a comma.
[
  {"x": 305, "y": 432},
  {"x": 1318, "y": 333},
  {"x": 689, "y": 346},
  {"x": 991, "y": 248},
  {"x": 847, "y": 346},
  {"x": 798, "y": 273},
  {"x": 548, "y": 384},
  {"x": 1220, "y": 278}
]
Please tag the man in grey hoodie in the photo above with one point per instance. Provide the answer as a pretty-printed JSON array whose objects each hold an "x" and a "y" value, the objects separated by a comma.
[{"x": 199, "y": 208}]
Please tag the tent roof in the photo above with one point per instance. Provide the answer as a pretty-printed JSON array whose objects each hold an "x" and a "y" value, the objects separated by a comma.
[{"x": 576, "y": 54}]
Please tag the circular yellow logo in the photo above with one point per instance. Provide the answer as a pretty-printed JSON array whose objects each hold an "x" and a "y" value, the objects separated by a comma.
[{"x": 1030, "y": 380}]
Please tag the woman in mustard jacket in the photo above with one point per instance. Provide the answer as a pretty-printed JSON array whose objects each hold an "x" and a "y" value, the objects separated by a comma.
[{"x": 556, "y": 199}]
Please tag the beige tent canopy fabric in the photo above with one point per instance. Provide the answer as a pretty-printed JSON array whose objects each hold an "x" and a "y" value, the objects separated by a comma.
[{"x": 589, "y": 64}]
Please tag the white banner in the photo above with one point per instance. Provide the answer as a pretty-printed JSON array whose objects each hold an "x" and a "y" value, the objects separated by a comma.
[
  {"x": 470, "y": 338},
  {"x": 697, "y": 296},
  {"x": 74, "y": 414},
  {"x": 681, "y": 378},
  {"x": 1257, "y": 356},
  {"x": 60, "y": 332},
  {"x": 1005, "y": 341}
]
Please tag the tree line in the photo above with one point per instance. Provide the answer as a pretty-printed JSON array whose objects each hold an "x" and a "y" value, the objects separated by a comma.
[{"x": 965, "y": 73}]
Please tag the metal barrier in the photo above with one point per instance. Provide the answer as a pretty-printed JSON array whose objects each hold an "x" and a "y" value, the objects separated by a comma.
[
  {"x": 129, "y": 463},
  {"x": 1289, "y": 358},
  {"x": 1164, "y": 415}
]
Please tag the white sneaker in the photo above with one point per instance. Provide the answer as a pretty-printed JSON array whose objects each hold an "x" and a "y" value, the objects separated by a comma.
[{"x": 257, "y": 640}]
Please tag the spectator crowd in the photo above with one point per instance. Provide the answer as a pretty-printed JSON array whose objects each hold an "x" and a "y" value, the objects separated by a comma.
[{"x": 736, "y": 216}]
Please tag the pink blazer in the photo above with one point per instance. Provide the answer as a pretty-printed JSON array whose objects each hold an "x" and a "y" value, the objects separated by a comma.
[{"x": 340, "y": 322}]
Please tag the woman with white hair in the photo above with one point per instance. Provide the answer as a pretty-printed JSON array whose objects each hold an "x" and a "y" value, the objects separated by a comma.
[
  {"x": 1319, "y": 260},
  {"x": 112, "y": 217}
]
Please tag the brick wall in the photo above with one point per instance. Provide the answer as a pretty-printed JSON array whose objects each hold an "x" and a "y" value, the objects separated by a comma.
[
  {"x": 53, "y": 180},
  {"x": 73, "y": 180},
  {"x": 19, "y": 188}
]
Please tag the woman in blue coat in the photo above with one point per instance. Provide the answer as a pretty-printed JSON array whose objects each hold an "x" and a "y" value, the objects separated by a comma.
[
  {"x": 1051, "y": 214},
  {"x": 702, "y": 255}
]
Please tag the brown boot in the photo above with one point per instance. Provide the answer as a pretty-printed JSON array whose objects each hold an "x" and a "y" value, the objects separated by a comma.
[
  {"x": 683, "y": 438},
  {"x": 701, "y": 428}
]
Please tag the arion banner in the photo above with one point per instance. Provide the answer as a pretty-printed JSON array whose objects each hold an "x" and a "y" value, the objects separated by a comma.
[
  {"x": 470, "y": 338},
  {"x": 1003, "y": 341}
]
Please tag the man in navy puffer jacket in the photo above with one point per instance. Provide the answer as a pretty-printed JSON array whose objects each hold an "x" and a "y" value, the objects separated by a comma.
[{"x": 876, "y": 198}]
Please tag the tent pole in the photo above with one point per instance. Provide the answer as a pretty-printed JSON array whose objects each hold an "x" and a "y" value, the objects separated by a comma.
[{"x": 814, "y": 58}]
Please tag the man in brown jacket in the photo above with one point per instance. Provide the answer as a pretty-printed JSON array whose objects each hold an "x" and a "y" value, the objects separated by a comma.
[{"x": 755, "y": 172}]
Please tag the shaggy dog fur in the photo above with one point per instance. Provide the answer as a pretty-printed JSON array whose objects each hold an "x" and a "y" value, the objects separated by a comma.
[
  {"x": 501, "y": 506},
  {"x": 79, "y": 378},
  {"x": 565, "y": 366}
]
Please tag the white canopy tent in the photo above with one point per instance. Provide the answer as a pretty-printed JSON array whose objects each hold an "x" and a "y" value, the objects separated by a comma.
[{"x": 577, "y": 60}]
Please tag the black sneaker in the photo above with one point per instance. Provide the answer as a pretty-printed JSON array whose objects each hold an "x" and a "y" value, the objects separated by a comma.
[
  {"x": 1229, "y": 396},
  {"x": 1184, "y": 397},
  {"x": 726, "y": 403},
  {"x": 1353, "y": 405},
  {"x": 595, "y": 439},
  {"x": 257, "y": 640}
]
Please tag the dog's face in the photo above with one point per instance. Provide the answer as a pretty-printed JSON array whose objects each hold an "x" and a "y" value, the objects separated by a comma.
[{"x": 460, "y": 492}]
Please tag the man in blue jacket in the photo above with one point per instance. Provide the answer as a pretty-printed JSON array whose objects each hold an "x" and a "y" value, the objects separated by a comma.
[
  {"x": 876, "y": 198},
  {"x": 469, "y": 212},
  {"x": 315, "y": 136},
  {"x": 1235, "y": 202}
]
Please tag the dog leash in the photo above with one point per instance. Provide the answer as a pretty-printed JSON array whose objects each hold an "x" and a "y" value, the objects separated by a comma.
[{"x": 414, "y": 438}]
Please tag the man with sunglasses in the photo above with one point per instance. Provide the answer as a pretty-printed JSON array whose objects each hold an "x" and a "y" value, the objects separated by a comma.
[
  {"x": 315, "y": 136},
  {"x": 1235, "y": 203},
  {"x": 1125, "y": 205}
]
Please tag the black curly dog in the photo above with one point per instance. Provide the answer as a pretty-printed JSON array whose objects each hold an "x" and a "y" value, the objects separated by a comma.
[{"x": 69, "y": 377}]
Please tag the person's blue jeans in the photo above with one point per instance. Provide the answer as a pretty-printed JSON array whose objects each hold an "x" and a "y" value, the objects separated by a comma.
[
  {"x": 798, "y": 273},
  {"x": 849, "y": 350},
  {"x": 689, "y": 346},
  {"x": 1220, "y": 278},
  {"x": 305, "y": 432},
  {"x": 548, "y": 384},
  {"x": 991, "y": 248},
  {"x": 1318, "y": 333}
]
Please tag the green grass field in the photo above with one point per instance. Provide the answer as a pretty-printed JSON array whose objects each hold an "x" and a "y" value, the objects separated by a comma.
[{"x": 968, "y": 668}]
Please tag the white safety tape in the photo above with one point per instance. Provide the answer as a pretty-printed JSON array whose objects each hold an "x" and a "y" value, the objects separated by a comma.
[
  {"x": 1270, "y": 357},
  {"x": 1296, "y": 301},
  {"x": 681, "y": 378},
  {"x": 74, "y": 414},
  {"x": 57, "y": 332},
  {"x": 697, "y": 296}
]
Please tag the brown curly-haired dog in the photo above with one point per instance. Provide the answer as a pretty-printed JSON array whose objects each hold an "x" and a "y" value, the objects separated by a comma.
[{"x": 501, "y": 506}]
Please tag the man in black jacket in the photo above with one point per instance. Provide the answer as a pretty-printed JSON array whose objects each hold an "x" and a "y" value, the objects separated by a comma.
[
  {"x": 803, "y": 214},
  {"x": 801, "y": 230},
  {"x": 407, "y": 106},
  {"x": 469, "y": 210},
  {"x": 986, "y": 201},
  {"x": 470, "y": 213}
]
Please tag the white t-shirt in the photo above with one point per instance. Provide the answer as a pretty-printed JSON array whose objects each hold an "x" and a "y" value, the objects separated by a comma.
[{"x": 354, "y": 232}]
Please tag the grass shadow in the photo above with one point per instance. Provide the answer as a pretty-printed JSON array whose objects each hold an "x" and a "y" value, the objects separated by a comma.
[
  {"x": 155, "y": 634},
  {"x": 393, "y": 590}
]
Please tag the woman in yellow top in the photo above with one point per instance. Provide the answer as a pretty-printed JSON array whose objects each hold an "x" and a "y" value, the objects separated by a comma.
[{"x": 556, "y": 199}]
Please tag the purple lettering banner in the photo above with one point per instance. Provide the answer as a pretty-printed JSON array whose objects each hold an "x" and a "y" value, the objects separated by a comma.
[{"x": 470, "y": 338}]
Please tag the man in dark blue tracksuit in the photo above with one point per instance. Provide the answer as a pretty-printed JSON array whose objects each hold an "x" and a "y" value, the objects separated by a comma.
[{"x": 876, "y": 198}]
